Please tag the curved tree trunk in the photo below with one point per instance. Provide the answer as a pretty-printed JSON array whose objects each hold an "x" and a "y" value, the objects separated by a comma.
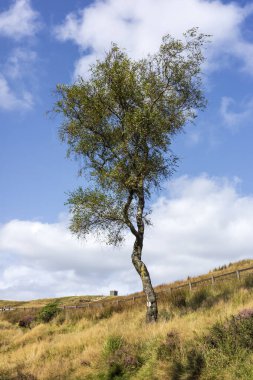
[
  {"x": 139, "y": 265},
  {"x": 152, "y": 311}
]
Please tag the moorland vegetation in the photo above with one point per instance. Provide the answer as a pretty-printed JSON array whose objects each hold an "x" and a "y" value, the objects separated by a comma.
[{"x": 204, "y": 334}]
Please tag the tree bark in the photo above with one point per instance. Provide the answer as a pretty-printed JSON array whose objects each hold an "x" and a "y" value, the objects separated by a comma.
[{"x": 152, "y": 311}]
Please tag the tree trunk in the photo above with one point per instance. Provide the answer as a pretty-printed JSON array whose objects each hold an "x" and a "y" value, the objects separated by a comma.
[
  {"x": 151, "y": 314},
  {"x": 139, "y": 265}
]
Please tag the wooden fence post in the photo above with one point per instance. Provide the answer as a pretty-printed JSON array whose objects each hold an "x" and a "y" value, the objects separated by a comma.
[
  {"x": 238, "y": 274},
  {"x": 190, "y": 286},
  {"x": 212, "y": 278}
]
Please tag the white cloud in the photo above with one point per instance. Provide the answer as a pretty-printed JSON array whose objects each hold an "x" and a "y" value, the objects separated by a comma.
[
  {"x": 9, "y": 99},
  {"x": 19, "y": 63},
  {"x": 139, "y": 25},
  {"x": 19, "y": 21},
  {"x": 233, "y": 114},
  {"x": 198, "y": 224}
]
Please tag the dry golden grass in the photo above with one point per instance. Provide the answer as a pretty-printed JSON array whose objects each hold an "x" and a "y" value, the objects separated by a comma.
[
  {"x": 72, "y": 345},
  {"x": 62, "y": 301}
]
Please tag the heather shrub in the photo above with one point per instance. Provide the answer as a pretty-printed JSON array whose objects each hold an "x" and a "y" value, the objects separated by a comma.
[
  {"x": 177, "y": 298},
  {"x": 190, "y": 367},
  {"x": 210, "y": 356},
  {"x": 17, "y": 374},
  {"x": 165, "y": 315},
  {"x": 234, "y": 334},
  {"x": 199, "y": 298},
  {"x": 168, "y": 348},
  {"x": 26, "y": 322},
  {"x": 15, "y": 316},
  {"x": 248, "y": 281},
  {"x": 120, "y": 359}
]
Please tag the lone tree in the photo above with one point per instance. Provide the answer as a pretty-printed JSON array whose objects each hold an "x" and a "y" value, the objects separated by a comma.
[{"x": 120, "y": 122}]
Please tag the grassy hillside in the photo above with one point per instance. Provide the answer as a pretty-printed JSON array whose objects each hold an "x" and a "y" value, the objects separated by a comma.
[
  {"x": 205, "y": 334},
  {"x": 62, "y": 301}
]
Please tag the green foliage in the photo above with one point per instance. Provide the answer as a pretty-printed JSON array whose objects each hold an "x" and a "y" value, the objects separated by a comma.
[
  {"x": 120, "y": 123},
  {"x": 113, "y": 343},
  {"x": 94, "y": 210},
  {"x": 48, "y": 312}
]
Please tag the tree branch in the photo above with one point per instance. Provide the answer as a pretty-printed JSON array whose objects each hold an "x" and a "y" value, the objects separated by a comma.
[{"x": 126, "y": 216}]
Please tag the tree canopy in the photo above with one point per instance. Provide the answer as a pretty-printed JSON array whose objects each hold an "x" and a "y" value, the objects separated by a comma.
[{"x": 120, "y": 123}]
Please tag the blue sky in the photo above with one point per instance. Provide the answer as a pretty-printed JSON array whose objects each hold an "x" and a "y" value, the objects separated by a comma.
[{"x": 43, "y": 43}]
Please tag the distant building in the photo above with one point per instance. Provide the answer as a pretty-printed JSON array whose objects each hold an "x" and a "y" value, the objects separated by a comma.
[{"x": 113, "y": 292}]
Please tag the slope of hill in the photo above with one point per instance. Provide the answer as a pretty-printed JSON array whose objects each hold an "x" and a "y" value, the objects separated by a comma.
[
  {"x": 63, "y": 301},
  {"x": 204, "y": 334}
]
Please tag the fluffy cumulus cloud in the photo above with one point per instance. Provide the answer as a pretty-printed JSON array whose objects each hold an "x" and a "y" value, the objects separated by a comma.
[
  {"x": 19, "y": 21},
  {"x": 10, "y": 100},
  {"x": 139, "y": 25},
  {"x": 198, "y": 223}
]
